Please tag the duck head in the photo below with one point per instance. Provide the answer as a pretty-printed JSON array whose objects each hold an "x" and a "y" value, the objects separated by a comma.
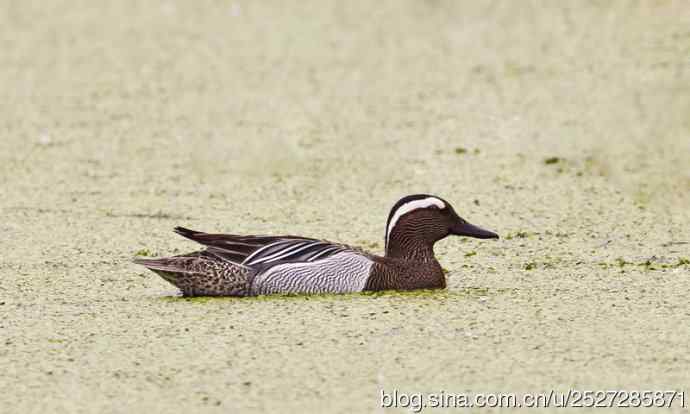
[{"x": 418, "y": 221}]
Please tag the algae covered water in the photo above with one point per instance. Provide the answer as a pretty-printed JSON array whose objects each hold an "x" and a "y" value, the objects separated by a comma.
[{"x": 563, "y": 128}]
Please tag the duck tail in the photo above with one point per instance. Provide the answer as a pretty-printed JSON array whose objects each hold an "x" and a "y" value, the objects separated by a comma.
[
  {"x": 164, "y": 268},
  {"x": 157, "y": 264},
  {"x": 196, "y": 275}
]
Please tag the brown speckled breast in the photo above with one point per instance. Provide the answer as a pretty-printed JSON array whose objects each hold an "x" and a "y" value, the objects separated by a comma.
[{"x": 394, "y": 274}]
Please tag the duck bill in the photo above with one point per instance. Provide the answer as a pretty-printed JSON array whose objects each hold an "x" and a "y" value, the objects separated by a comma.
[{"x": 470, "y": 230}]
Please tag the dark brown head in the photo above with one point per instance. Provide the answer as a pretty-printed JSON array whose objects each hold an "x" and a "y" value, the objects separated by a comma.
[{"x": 418, "y": 221}]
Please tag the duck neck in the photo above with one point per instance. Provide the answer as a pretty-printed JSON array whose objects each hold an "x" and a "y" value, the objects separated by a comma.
[{"x": 410, "y": 248}]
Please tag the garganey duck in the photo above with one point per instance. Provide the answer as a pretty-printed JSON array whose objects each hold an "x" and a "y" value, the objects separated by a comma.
[{"x": 233, "y": 265}]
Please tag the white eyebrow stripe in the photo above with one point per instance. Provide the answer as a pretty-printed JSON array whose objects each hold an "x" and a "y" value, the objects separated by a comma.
[{"x": 411, "y": 206}]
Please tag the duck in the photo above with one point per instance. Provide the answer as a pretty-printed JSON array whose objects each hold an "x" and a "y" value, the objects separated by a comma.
[{"x": 251, "y": 265}]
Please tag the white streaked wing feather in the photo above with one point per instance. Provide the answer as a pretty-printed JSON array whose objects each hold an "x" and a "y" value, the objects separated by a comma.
[
  {"x": 293, "y": 250},
  {"x": 251, "y": 256},
  {"x": 285, "y": 252}
]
